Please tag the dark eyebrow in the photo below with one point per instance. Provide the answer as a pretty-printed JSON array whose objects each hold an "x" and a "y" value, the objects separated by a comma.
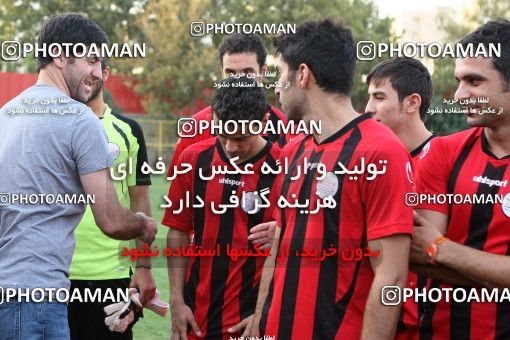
[
  {"x": 471, "y": 77},
  {"x": 378, "y": 93}
]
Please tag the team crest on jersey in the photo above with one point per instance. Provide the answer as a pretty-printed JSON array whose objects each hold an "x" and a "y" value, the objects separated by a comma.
[
  {"x": 409, "y": 173},
  {"x": 114, "y": 150},
  {"x": 505, "y": 205},
  {"x": 248, "y": 203},
  {"x": 327, "y": 187},
  {"x": 425, "y": 150}
]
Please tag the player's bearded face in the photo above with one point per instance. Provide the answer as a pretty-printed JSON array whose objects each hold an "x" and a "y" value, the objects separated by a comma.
[
  {"x": 239, "y": 63},
  {"x": 81, "y": 77},
  {"x": 294, "y": 103},
  {"x": 480, "y": 81},
  {"x": 96, "y": 89}
]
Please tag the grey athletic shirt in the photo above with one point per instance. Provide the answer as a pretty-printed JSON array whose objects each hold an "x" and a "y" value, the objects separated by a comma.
[{"x": 47, "y": 140}]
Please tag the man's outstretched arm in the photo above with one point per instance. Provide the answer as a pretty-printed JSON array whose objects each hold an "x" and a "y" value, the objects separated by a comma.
[{"x": 112, "y": 218}]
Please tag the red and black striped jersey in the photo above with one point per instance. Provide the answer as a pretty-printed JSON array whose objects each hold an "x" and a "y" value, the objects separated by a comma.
[
  {"x": 462, "y": 164},
  {"x": 326, "y": 299},
  {"x": 206, "y": 114},
  {"x": 220, "y": 290}
]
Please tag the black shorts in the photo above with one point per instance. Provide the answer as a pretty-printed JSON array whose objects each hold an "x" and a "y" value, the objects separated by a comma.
[{"x": 86, "y": 320}]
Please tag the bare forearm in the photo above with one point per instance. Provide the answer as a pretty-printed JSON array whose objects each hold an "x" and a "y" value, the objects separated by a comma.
[
  {"x": 139, "y": 201},
  {"x": 379, "y": 321},
  {"x": 478, "y": 265},
  {"x": 443, "y": 274},
  {"x": 177, "y": 265},
  {"x": 391, "y": 269},
  {"x": 265, "y": 281},
  {"x": 124, "y": 225}
]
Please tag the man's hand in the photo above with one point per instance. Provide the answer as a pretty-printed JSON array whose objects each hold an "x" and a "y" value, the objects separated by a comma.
[
  {"x": 144, "y": 281},
  {"x": 245, "y": 325},
  {"x": 181, "y": 317},
  {"x": 263, "y": 233},
  {"x": 424, "y": 234},
  {"x": 150, "y": 229}
]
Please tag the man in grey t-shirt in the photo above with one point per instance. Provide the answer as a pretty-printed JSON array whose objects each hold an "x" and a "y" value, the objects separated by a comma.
[{"x": 54, "y": 158}]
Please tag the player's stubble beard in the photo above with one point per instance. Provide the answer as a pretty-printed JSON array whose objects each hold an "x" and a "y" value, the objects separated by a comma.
[
  {"x": 97, "y": 90},
  {"x": 295, "y": 103}
]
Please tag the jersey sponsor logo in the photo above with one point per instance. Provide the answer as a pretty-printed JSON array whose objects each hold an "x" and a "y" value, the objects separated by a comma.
[
  {"x": 114, "y": 150},
  {"x": 490, "y": 182},
  {"x": 328, "y": 186},
  {"x": 231, "y": 182},
  {"x": 425, "y": 150},
  {"x": 505, "y": 206}
]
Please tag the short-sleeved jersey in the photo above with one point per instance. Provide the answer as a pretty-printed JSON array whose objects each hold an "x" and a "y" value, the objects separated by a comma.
[
  {"x": 206, "y": 114},
  {"x": 96, "y": 255},
  {"x": 462, "y": 164},
  {"x": 326, "y": 299},
  {"x": 219, "y": 290}
]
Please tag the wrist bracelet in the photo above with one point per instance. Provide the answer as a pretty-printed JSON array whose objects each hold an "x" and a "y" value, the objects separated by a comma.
[
  {"x": 432, "y": 249},
  {"x": 146, "y": 266}
]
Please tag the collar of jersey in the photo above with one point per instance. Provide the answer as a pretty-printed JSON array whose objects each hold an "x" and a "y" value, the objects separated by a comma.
[
  {"x": 107, "y": 112},
  {"x": 486, "y": 148},
  {"x": 344, "y": 130}
]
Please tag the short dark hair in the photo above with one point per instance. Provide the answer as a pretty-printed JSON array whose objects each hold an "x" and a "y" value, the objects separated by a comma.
[
  {"x": 327, "y": 48},
  {"x": 68, "y": 28},
  {"x": 407, "y": 76},
  {"x": 243, "y": 43},
  {"x": 494, "y": 32},
  {"x": 233, "y": 102}
]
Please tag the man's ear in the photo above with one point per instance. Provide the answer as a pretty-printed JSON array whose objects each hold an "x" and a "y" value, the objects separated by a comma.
[
  {"x": 263, "y": 70},
  {"x": 412, "y": 103},
  {"x": 59, "y": 60},
  {"x": 106, "y": 74},
  {"x": 266, "y": 118},
  {"x": 304, "y": 76}
]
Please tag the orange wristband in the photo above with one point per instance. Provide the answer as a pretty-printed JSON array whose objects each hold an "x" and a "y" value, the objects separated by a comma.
[{"x": 432, "y": 249}]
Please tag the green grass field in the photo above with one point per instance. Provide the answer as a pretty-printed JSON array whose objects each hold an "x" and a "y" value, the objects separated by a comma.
[{"x": 152, "y": 326}]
